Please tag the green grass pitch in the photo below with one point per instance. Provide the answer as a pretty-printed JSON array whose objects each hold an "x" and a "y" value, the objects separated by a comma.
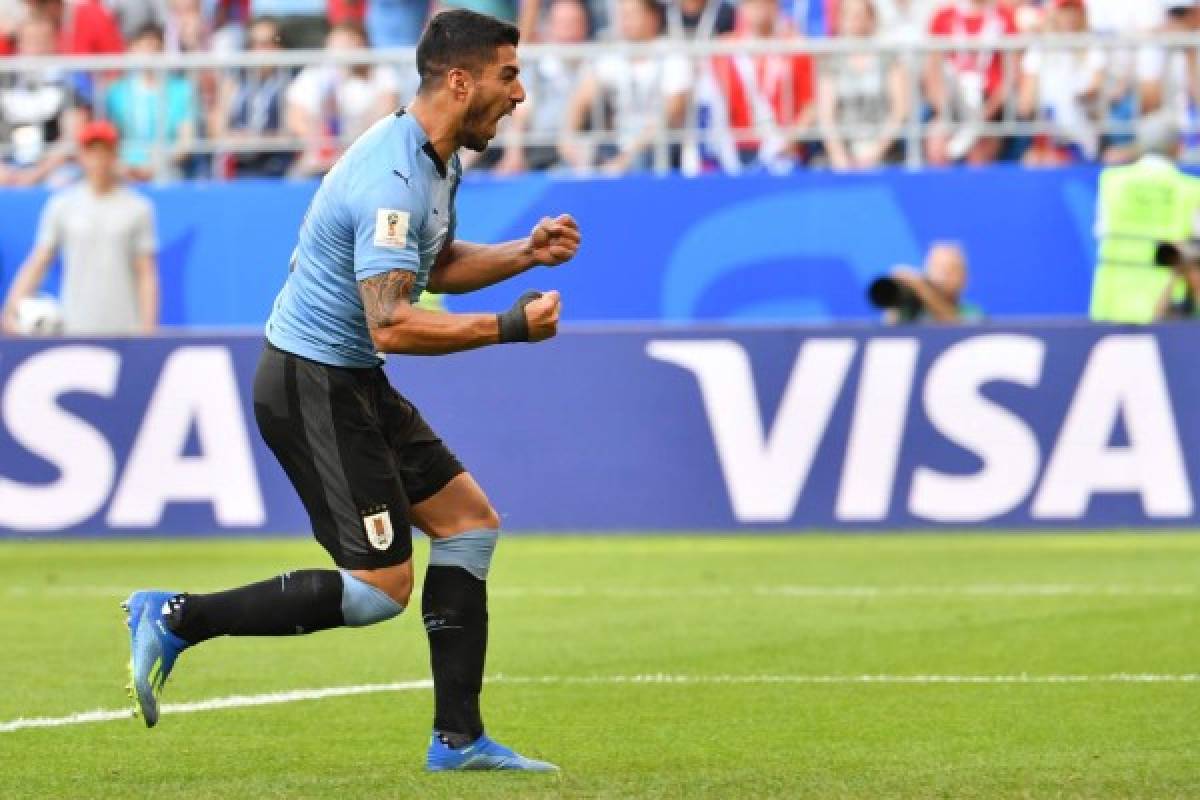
[{"x": 773, "y": 634}]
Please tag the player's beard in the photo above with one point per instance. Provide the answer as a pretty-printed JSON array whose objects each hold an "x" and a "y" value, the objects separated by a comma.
[{"x": 476, "y": 122}]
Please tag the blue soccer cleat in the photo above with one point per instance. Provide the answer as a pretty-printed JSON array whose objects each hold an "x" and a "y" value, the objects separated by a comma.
[
  {"x": 153, "y": 650},
  {"x": 481, "y": 754}
]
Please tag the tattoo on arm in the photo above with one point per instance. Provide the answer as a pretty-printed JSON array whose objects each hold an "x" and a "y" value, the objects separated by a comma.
[{"x": 382, "y": 293}]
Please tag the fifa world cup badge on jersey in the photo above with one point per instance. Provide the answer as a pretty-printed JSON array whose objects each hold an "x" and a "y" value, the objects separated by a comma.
[
  {"x": 391, "y": 228},
  {"x": 379, "y": 529}
]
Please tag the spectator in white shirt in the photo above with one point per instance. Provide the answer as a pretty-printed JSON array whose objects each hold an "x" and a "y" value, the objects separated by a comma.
[
  {"x": 862, "y": 98},
  {"x": 1124, "y": 17},
  {"x": 904, "y": 21},
  {"x": 1170, "y": 76},
  {"x": 328, "y": 106},
  {"x": 532, "y": 136},
  {"x": 1063, "y": 85},
  {"x": 648, "y": 95}
]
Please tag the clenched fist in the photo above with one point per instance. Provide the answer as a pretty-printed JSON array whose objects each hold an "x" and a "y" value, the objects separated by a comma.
[
  {"x": 554, "y": 241},
  {"x": 542, "y": 316}
]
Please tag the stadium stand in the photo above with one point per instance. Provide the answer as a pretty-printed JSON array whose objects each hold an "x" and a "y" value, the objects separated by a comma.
[{"x": 218, "y": 89}]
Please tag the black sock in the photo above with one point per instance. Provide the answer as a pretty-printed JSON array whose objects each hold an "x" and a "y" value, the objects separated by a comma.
[
  {"x": 454, "y": 607},
  {"x": 302, "y": 601}
]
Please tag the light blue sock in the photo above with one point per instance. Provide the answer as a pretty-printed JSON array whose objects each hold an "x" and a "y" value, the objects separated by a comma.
[
  {"x": 472, "y": 551},
  {"x": 364, "y": 604}
]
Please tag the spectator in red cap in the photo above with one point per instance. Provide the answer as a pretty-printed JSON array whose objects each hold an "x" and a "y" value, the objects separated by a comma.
[{"x": 105, "y": 234}]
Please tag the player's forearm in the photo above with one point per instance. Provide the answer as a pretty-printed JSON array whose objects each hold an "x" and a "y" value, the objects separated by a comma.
[
  {"x": 414, "y": 331},
  {"x": 469, "y": 266}
]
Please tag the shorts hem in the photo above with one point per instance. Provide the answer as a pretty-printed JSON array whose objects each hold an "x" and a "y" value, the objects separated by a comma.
[
  {"x": 382, "y": 561},
  {"x": 441, "y": 478}
]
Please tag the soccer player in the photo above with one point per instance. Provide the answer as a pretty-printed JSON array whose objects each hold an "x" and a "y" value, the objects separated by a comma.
[{"x": 366, "y": 465}]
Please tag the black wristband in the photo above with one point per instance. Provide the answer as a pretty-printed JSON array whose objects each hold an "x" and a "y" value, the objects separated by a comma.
[{"x": 514, "y": 326}]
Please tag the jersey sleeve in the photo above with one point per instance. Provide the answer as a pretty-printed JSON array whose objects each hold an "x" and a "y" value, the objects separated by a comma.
[{"x": 386, "y": 217}]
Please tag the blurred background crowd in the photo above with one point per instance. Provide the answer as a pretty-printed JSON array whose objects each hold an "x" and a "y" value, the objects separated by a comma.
[{"x": 716, "y": 85}]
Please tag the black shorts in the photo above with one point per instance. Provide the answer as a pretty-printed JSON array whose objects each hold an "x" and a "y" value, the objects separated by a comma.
[{"x": 357, "y": 452}]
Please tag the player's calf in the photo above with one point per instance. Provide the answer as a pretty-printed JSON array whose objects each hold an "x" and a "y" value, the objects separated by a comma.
[
  {"x": 299, "y": 602},
  {"x": 163, "y": 624},
  {"x": 454, "y": 610}
]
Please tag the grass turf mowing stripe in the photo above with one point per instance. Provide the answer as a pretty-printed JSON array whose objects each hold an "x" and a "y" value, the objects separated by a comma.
[{"x": 297, "y": 695}]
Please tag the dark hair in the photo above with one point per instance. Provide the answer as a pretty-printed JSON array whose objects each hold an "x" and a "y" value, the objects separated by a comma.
[
  {"x": 149, "y": 29},
  {"x": 461, "y": 39}
]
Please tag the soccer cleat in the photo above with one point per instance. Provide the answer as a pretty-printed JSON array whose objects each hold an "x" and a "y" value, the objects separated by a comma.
[
  {"x": 481, "y": 754},
  {"x": 153, "y": 650}
]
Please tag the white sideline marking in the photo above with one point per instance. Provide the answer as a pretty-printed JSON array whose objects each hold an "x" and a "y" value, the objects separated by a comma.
[
  {"x": 797, "y": 591},
  {"x": 216, "y": 703},
  {"x": 296, "y": 695}
]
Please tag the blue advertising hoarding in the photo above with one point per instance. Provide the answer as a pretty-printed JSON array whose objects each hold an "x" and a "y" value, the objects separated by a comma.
[
  {"x": 801, "y": 247},
  {"x": 728, "y": 428}
]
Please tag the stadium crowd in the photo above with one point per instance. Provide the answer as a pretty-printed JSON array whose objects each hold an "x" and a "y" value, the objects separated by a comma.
[{"x": 613, "y": 113}]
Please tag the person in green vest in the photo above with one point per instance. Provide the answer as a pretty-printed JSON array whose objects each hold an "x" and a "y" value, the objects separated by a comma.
[{"x": 1141, "y": 206}]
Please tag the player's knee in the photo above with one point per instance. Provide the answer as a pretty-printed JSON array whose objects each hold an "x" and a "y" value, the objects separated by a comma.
[
  {"x": 371, "y": 596},
  {"x": 488, "y": 518},
  {"x": 477, "y": 514},
  {"x": 471, "y": 517},
  {"x": 398, "y": 585},
  {"x": 471, "y": 550}
]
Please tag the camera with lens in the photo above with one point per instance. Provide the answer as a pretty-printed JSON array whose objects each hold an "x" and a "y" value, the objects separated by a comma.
[{"x": 885, "y": 292}]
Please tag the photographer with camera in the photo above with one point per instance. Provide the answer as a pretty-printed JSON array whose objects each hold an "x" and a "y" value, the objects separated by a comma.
[
  {"x": 1145, "y": 210},
  {"x": 932, "y": 295}
]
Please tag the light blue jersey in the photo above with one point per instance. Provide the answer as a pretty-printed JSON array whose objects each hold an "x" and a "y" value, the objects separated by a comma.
[{"x": 387, "y": 204}]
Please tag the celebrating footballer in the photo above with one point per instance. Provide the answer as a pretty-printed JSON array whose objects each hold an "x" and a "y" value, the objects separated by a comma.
[{"x": 366, "y": 465}]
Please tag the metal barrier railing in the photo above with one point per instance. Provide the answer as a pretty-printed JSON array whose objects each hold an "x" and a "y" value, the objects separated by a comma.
[{"x": 1108, "y": 112}]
